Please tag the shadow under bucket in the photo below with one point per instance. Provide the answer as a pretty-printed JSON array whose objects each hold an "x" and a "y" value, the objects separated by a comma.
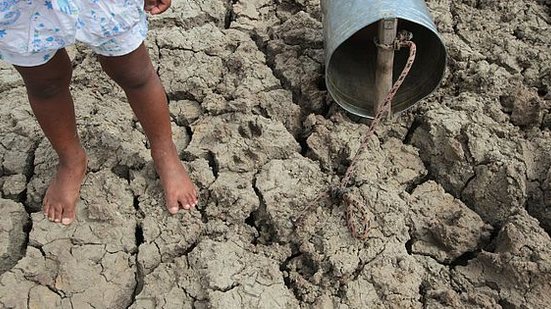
[{"x": 350, "y": 29}]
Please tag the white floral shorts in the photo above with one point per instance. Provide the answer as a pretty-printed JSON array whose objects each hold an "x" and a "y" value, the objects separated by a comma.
[{"x": 31, "y": 31}]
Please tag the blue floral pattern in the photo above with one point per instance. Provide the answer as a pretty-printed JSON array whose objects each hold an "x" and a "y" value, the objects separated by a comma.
[
  {"x": 9, "y": 14},
  {"x": 32, "y": 30}
]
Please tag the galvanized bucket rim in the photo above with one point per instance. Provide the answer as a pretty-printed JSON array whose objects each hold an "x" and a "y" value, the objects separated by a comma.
[{"x": 338, "y": 32}]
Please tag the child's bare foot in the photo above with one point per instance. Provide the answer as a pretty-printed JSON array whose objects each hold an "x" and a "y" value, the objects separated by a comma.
[
  {"x": 179, "y": 190},
  {"x": 62, "y": 194}
]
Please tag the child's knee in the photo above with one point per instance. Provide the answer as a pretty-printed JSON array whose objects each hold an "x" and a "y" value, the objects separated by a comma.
[
  {"x": 41, "y": 88},
  {"x": 46, "y": 88},
  {"x": 131, "y": 79},
  {"x": 48, "y": 80}
]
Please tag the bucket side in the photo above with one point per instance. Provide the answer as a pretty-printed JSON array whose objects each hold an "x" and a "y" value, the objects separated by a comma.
[{"x": 350, "y": 29}]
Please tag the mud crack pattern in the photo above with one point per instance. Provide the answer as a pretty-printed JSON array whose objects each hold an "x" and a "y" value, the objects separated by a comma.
[{"x": 458, "y": 189}]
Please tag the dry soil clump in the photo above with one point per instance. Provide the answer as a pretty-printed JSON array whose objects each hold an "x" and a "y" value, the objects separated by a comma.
[{"x": 457, "y": 190}]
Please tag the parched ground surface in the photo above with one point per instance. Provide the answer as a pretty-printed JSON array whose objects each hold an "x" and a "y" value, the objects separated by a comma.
[{"x": 458, "y": 190}]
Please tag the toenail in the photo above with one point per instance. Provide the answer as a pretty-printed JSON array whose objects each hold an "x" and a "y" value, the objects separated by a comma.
[
  {"x": 57, "y": 220},
  {"x": 66, "y": 221},
  {"x": 174, "y": 210}
]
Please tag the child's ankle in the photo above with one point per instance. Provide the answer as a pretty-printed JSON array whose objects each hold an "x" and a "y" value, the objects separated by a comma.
[
  {"x": 164, "y": 151},
  {"x": 73, "y": 157}
]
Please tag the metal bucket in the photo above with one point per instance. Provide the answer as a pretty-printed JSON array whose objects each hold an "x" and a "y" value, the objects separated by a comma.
[{"x": 350, "y": 27}]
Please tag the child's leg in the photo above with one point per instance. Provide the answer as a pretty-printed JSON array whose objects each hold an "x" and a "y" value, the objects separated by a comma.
[
  {"x": 48, "y": 91},
  {"x": 135, "y": 74}
]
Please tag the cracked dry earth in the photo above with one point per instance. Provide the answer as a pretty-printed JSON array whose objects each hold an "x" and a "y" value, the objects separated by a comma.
[{"x": 458, "y": 189}]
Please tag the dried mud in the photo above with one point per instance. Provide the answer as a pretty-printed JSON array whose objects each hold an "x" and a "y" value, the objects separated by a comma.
[{"x": 458, "y": 190}]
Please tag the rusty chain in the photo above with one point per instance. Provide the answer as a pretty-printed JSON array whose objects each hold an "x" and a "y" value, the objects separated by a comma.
[{"x": 353, "y": 206}]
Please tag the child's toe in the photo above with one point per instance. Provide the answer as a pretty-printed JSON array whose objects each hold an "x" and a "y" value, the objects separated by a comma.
[
  {"x": 68, "y": 217},
  {"x": 51, "y": 213},
  {"x": 172, "y": 205},
  {"x": 57, "y": 215},
  {"x": 46, "y": 206},
  {"x": 190, "y": 200},
  {"x": 185, "y": 205}
]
